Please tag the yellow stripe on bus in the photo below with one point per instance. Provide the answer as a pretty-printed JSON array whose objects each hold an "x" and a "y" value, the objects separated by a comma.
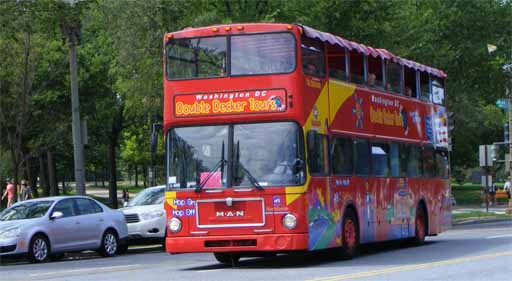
[{"x": 169, "y": 198}]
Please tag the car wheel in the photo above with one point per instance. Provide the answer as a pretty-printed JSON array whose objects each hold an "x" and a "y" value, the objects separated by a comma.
[
  {"x": 227, "y": 258},
  {"x": 39, "y": 249},
  {"x": 109, "y": 243},
  {"x": 350, "y": 235}
]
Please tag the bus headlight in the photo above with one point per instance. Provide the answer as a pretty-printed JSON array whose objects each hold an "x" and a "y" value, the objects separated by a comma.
[
  {"x": 174, "y": 225},
  {"x": 289, "y": 221}
]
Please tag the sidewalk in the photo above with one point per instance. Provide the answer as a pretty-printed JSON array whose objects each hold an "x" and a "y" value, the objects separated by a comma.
[
  {"x": 103, "y": 192},
  {"x": 500, "y": 209},
  {"x": 468, "y": 214}
]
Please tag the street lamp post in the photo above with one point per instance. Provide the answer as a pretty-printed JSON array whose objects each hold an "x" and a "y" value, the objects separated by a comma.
[{"x": 71, "y": 32}]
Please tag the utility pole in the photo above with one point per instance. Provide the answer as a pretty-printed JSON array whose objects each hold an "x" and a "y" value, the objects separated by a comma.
[{"x": 71, "y": 33}]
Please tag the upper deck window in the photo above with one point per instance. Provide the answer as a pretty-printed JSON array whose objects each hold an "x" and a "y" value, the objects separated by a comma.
[
  {"x": 356, "y": 61},
  {"x": 337, "y": 62},
  {"x": 394, "y": 77},
  {"x": 196, "y": 58},
  {"x": 312, "y": 57},
  {"x": 375, "y": 78},
  {"x": 437, "y": 90},
  {"x": 410, "y": 82},
  {"x": 424, "y": 86},
  {"x": 262, "y": 53}
]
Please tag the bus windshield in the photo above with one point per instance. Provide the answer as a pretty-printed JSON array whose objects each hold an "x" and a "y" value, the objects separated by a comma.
[
  {"x": 269, "y": 153},
  {"x": 249, "y": 54}
]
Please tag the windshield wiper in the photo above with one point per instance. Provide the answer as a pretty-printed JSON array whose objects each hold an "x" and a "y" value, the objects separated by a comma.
[
  {"x": 252, "y": 179},
  {"x": 220, "y": 164}
]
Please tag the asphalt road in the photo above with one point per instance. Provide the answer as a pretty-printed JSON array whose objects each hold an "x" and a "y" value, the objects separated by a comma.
[{"x": 472, "y": 252}]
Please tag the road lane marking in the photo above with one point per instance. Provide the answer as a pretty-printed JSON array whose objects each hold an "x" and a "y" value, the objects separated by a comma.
[
  {"x": 409, "y": 267},
  {"x": 499, "y": 236},
  {"x": 92, "y": 270}
]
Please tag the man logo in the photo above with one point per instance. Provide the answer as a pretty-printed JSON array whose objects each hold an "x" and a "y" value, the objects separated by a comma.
[{"x": 230, "y": 214}]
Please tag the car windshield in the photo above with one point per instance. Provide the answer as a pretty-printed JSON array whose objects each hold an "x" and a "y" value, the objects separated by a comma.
[
  {"x": 148, "y": 197},
  {"x": 248, "y": 54},
  {"x": 263, "y": 154},
  {"x": 26, "y": 210}
]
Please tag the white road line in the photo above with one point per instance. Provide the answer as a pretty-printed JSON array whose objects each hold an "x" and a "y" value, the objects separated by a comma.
[
  {"x": 87, "y": 270},
  {"x": 499, "y": 236}
]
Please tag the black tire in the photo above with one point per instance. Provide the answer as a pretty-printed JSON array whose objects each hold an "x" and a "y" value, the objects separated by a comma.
[
  {"x": 163, "y": 242},
  {"x": 420, "y": 227},
  {"x": 227, "y": 258},
  {"x": 109, "y": 243},
  {"x": 39, "y": 249},
  {"x": 122, "y": 249},
  {"x": 349, "y": 235},
  {"x": 57, "y": 257}
]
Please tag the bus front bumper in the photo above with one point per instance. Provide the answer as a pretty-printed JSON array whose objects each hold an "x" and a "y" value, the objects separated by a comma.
[{"x": 242, "y": 243}]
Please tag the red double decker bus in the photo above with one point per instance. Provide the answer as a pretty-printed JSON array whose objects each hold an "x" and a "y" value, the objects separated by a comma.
[{"x": 283, "y": 138}]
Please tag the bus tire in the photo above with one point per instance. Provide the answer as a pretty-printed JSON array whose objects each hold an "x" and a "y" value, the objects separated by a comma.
[
  {"x": 420, "y": 226},
  {"x": 349, "y": 235},
  {"x": 227, "y": 258}
]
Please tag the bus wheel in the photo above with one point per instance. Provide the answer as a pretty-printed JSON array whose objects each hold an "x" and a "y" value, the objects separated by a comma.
[
  {"x": 350, "y": 235},
  {"x": 420, "y": 226},
  {"x": 227, "y": 258}
]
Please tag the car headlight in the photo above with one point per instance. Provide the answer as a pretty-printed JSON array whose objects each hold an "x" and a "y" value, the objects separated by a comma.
[
  {"x": 151, "y": 215},
  {"x": 175, "y": 225},
  {"x": 10, "y": 233},
  {"x": 289, "y": 221}
]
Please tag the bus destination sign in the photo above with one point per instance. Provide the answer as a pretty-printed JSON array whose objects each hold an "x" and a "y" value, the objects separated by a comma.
[{"x": 227, "y": 103}]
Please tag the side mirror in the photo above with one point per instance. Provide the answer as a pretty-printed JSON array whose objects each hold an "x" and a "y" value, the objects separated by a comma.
[
  {"x": 298, "y": 166},
  {"x": 56, "y": 215},
  {"x": 125, "y": 204}
]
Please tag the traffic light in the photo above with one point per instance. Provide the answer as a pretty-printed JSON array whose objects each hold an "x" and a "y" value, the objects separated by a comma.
[
  {"x": 506, "y": 131},
  {"x": 451, "y": 122},
  {"x": 495, "y": 152}
]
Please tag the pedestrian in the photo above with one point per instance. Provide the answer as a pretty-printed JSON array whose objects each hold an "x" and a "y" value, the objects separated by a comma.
[
  {"x": 126, "y": 197},
  {"x": 26, "y": 191},
  {"x": 507, "y": 187},
  {"x": 9, "y": 192},
  {"x": 492, "y": 194}
]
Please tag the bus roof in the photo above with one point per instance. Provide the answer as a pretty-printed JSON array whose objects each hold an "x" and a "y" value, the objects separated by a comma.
[
  {"x": 383, "y": 53},
  {"x": 311, "y": 33}
]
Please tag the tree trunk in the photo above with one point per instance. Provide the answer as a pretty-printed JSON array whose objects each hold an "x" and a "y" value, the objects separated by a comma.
[
  {"x": 103, "y": 177},
  {"x": 112, "y": 183},
  {"x": 136, "y": 175},
  {"x": 54, "y": 191},
  {"x": 45, "y": 185},
  {"x": 95, "y": 175},
  {"x": 145, "y": 174},
  {"x": 63, "y": 185},
  {"x": 32, "y": 171}
]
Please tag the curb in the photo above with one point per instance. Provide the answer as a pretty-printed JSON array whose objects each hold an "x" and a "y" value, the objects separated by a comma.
[{"x": 480, "y": 221}]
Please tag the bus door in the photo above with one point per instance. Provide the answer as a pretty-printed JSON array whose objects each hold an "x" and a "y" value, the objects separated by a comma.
[
  {"x": 321, "y": 225},
  {"x": 366, "y": 192},
  {"x": 397, "y": 196}
]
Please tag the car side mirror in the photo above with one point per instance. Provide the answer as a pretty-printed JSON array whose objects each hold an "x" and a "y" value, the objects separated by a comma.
[
  {"x": 56, "y": 215},
  {"x": 125, "y": 204}
]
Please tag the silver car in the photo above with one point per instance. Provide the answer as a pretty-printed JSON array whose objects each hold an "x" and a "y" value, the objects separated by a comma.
[
  {"x": 145, "y": 216},
  {"x": 48, "y": 227}
]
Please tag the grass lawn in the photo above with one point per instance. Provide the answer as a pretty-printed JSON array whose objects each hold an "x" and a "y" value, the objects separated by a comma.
[
  {"x": 470, "y": 194},
  {"x": 478, "y": 215}
]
